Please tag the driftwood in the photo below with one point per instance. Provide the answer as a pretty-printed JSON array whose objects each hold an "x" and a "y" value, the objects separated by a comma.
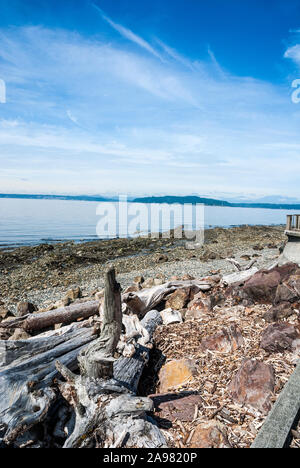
[
  {"x": 107, "y": 411},
  {"x": 147, "y": 299},
  {"x": 27, "y": 371},
  {"x": 239, "y": 277},
  {"x": 40, "y": 321},
  {"x": 240, "y": 267}
]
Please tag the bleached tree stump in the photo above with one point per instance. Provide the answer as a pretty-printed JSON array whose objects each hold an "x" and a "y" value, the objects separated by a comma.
[{"x": 104, "y": 395}]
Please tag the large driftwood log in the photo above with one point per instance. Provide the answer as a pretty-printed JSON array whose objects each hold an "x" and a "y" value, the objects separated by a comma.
[
  {"x": 40, "y": 321},
  {"x": 147, "y": 299},
  {"x": 27, "y": 371},
  {"x": 103, "y": 396}
]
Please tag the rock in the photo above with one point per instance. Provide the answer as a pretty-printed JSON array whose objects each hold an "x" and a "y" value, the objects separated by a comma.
[
  {"x": 25, "y": 308},
  {"x": 289, "y": 291},
  {"x": 253, "y": 385},
  {"x": 139, "y": 279},
  {"x": 175, "y": 374},
  {"x": 62, "y": 302},
  {"x": 246, "y": 257},
  {"x": 171, "y": 316},
  {"x": 279, "y": 337},
  {"x": 161, "y": 258},
  {"x": 174, "y": 406},
  {"x": 4, "y": 313},
  {"x": 73, "y": 294},
  {"x": 209, "y": 434},
  {"x": 19, "y": 334},
  {"x": 203, "y": 303},
  {"x": 178, "y": 299},
  {"x": 187, "y": 277},
  {"x": 257, "y": 247},
  {"x": 279, "y": 312},
  {"x": 133, "y": 288},
  {"x": 226, "y": 341},
  {"x": 262, "y": 285}
]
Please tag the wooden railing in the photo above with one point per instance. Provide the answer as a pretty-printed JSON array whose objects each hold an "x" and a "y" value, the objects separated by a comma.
[{"x": 293, "y": 223}]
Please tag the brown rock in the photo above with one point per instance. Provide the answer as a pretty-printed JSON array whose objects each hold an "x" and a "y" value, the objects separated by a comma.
[
  {"x": 253, "y": 385},
  {"x": 203, "y": 303},
  {"x": 161, "y": 258},
  {"x": 133, "y": 288},
  {"x": 176, "y": 373},
  {"x": 24, "y": 308},
  {"x": 209, "y": 434},
  {"x": 73, "y": 294},
  {"x": 279, "y": 337},
  {"x": 279, "y": 312},
  {"x": 174, "y": 406},
  {"x": 226, "y": 341},
  {"x": 262, "y": 285},
  {"x": 178, "y": 299},
  {"x": 289, "y": 291},
  {"x": 139, "y": 279},
  {"x": 4, "y": 313}
]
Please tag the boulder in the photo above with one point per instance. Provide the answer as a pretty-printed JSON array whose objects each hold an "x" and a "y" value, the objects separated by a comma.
[
  {"x": 226, "y": 341},
  {"x": 253, "y": 385},
  {"x": 25, "y": 308},
  {"x": 209, "y": 434},
  {"x": 289, "y": 291},
  {"x": 279, "y": 337},
  {"x": 279, "y": 312},
  {"x": 174, "y": 406},
  {"x": 176, "y": 373},
  {"x": 262, "y": 286}
]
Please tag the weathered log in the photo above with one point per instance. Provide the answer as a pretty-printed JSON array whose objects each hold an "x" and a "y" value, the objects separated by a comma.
[
  {"x": 145, "y": 300},
  {"x": 103, "y": 396},
  {"x": 27, "y": 371},
  {"x": 239, "y": 276},
  {"x": 40, "y": 321}
]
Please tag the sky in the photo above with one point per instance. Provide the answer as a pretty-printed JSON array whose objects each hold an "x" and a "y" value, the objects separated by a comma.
[{"x": 150, "y": 97}]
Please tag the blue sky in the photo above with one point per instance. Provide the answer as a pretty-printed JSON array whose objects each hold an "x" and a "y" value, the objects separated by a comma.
[{"x": 150, "y": 97}]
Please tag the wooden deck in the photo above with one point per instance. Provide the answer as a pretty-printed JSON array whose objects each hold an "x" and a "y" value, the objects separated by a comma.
[{"x": 293, "y": 225}]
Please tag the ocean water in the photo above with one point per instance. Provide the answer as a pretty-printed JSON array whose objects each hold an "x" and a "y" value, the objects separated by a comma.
[{"x": 29, "y": 222}]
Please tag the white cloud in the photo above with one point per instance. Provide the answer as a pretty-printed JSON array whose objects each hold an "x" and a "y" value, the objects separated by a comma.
[
  {"x": 128, "y": 34},
  {"x": 140, "y": 124}
]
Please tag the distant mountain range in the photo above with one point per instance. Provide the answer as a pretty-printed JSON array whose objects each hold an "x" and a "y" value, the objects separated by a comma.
[{"x": 169, "y": 199}]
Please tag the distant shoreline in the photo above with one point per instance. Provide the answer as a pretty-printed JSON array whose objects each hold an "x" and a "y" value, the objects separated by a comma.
[{"x": 159, "y": 200}]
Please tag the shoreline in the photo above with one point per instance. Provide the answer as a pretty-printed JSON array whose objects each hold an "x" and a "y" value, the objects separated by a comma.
[
  {"x": 10, "y": 246},
  {"x": 42, "y": 274}
]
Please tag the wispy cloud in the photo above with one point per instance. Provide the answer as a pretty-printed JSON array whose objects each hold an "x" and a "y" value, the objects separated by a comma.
[
  {"x": 128, "y": 34},
  {"x": 113, "y": 117}
]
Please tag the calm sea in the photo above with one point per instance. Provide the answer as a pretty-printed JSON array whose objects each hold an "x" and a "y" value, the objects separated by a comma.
[{"x": 29, "y": 222}]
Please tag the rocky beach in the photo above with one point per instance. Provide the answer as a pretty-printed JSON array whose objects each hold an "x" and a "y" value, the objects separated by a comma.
[
  {"x": 218, "y": 328},
  {"x": 43, "y": 274}
]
